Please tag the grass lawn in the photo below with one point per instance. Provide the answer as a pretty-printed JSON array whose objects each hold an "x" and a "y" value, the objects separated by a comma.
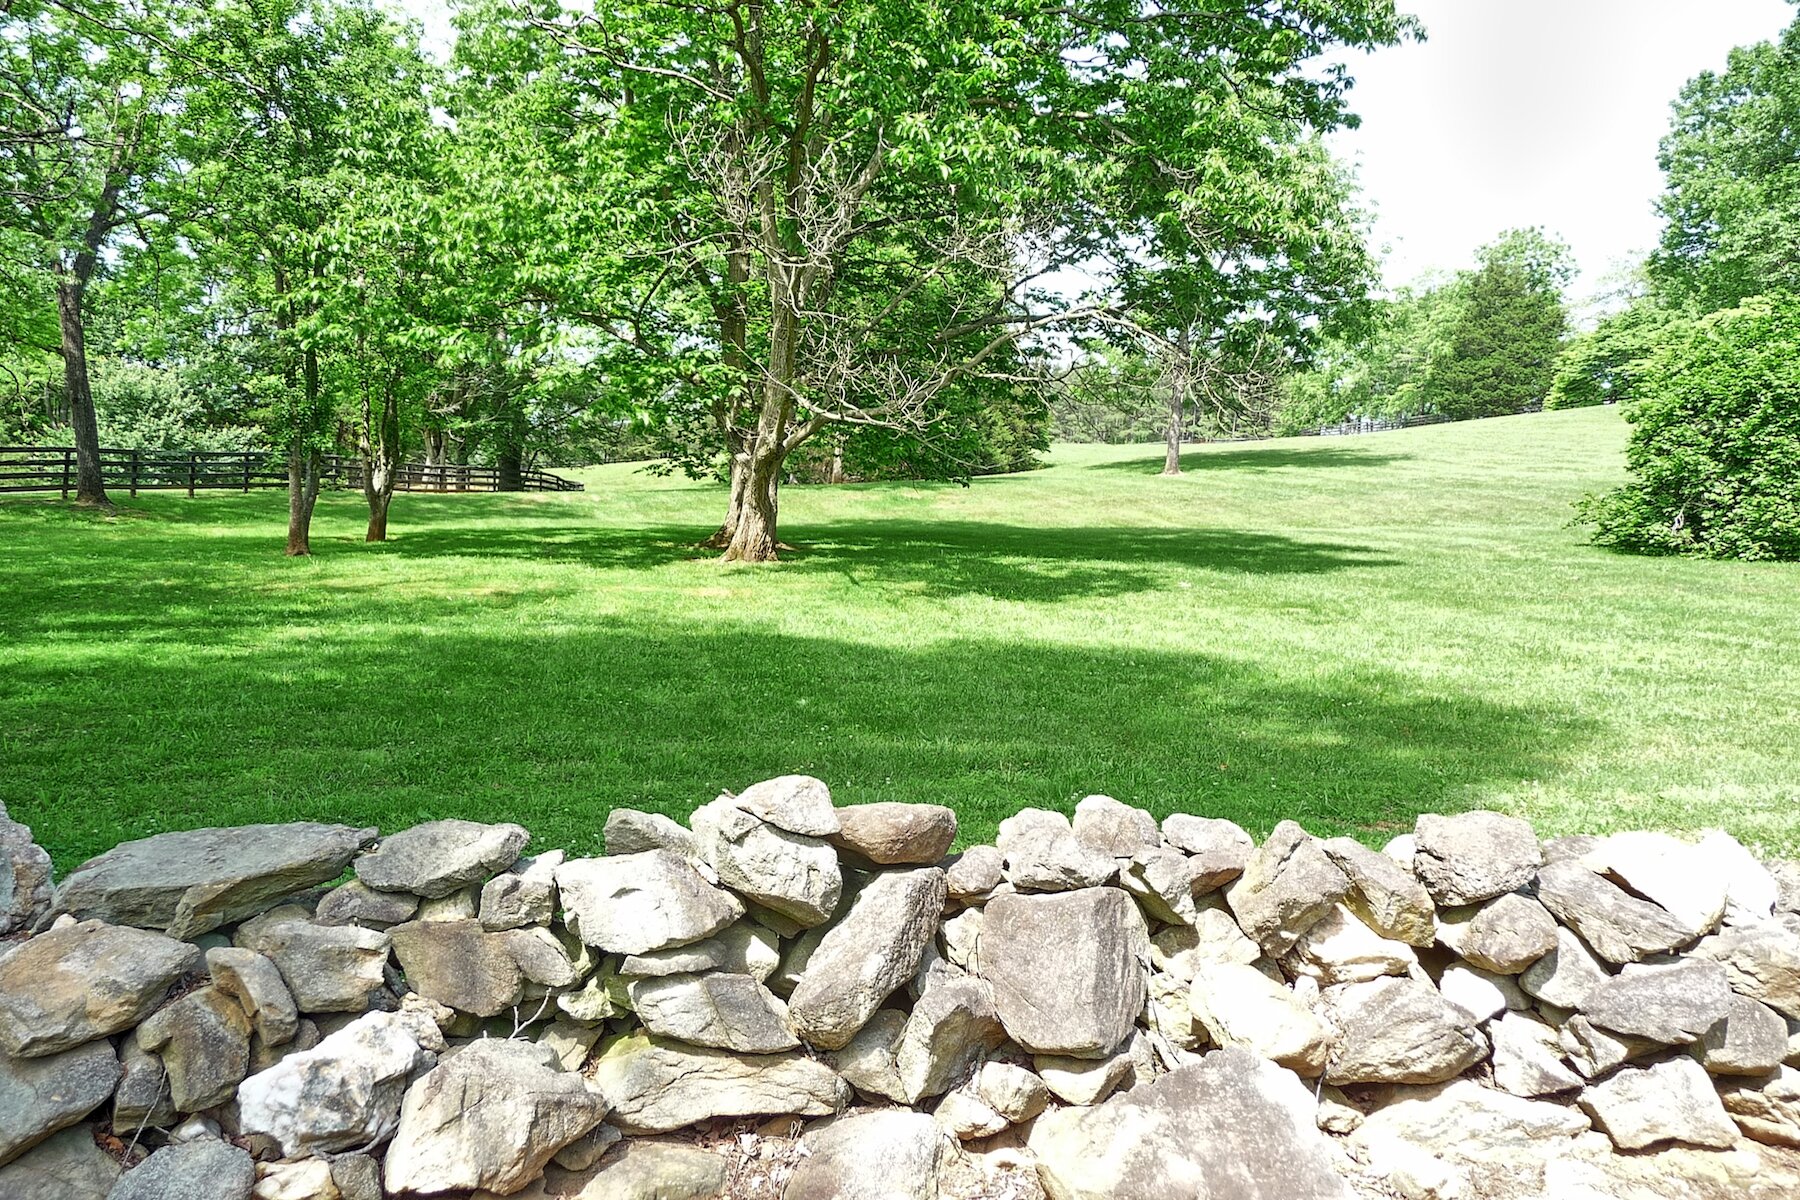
[{"x": 1346, "y": 631}]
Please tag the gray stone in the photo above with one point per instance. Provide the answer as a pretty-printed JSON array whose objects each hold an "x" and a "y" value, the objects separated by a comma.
[
  {"x": 1240, "y": 1006},
  {"x": 727, "y": 1012},
  {"x": 357, "y": 1177},
  {"x": 1766, "y": 1108},
  {"x": 656, "y": 1085},
  {"x": 631, "y": 832},
  {"x": 891, "y": 834},
  {"x": 1043, "y": 854},
  {"x": 346, "y": 1091},
  {"x": 460, "y": 905},
  {"x": 64, "y": 1166},
  {"x": 1463, "y": 1122},
  {"x": 1670, "y": 1005},
  {"x": 327, "y": 968},
  {"x": 353, "y": 903},
  {"x": 587, "y": 1149},
  {"x": 1683, "y": 880},
  {"x": 40, "y": 1096},
  {"x": 1473, "y": 856},
  {"x": 1481, "y": 994},
  {"x": 637, "y": 903},
  {"x": 708, "y": 955},
  {"x": 199, "y": 1170},
  {"x": 889, "y": 1155},
  {"x": 489, "y": 1116},
  {"x": 203, "y": 1040},
  {"x": 1594, "y": 1051},
  {"x": 997, "y": 1095},
  {"x": 26, "y": 888},
  {"x": 306, "y": 1036},
  {"x": 1340, "y": 948},
  {"x": 1761, "y": 961},
  {"x": 1399, "y": 1031},
  {"x": 1213, "y": 938},
  {"x": 794, "y": 803},
  {"x": 1528, "y": 1057},
  {"x": 974, "y": 873},
  {"x": 1287, "y": 886},
  {"x": 525, "y": 895},
  {"x": 1162, "y": 880},
  {"x": 459, "y": 964},
  {"x": 1067, "y": 969},
  {"x": 867, "y": 954},
  {"x": 953, "y": 1024},
  {"x": 795, "y": 875},
  {"x": 1509, "y": 934},
  {"x": 1218, "y": 849},
  {"x": 441, "y": 857},
  {"x": 1619, "y": 927},
  {"x": 1751, "y": 890},
  {"x": 197, "y": 880},
  {"x": 646, "y": 1169},
  {"x": 88, "y": 980},
  {"x": 1114, "y": 829},
  {"x": 1084, "y": 1080},
  {"x": 1671, "y": 1101},
  {"x": 142, "y": 1098},
  {"x": 1384, "y": 893},
  {"x": 254, "y": 982},
  {"x": 1564, "y": 976},
  {"x": 1230, "y": 1127},
  {"x": 1751, "y": 1040},
  {"x": 571, "y": 1042},
  {"x": 960, "y": 939},
  {"x": 868, "y": 1063},
  {"x": 546, "y": 957}
]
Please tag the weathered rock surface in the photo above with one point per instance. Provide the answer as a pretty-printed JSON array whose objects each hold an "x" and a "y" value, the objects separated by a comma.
[
  {"x": 1084, "y": 1080},
  {"x": 142, "y": 1098},
  {"x": 1751, "y": 1040},
  {"x": 1043, "y": 854},
  {"x": 1240, "y": 1006},
  {"x": 889, "y": 1155},
  {"x": 1384, "y": 893},
  {"x": 1340, "y": 948},
  {"x": 1399, "y": 1031},
  {"x": 868, "y": 1062},
  {"x": 64, "y": 1166},
  {"x": 356, "y": 904},
  {"x": 346, "y": 1091},
  {"x": 647, "y": 1169},
  {"x": 1766, "y": 1108},
  {"x": 40, "y": 1096},
  {"x": 794, "y": 803},
  {"x": 890, "y": 834},
  {"x": 84, "y": 981},
  {"x": 1465, "y": 1122},
  {"x": 1083, "y": 948},
  {"x": 26, "y": 888},
  {"x": 637, "y": 903},
  {"x": 552, "y": 958},
  {"x": 459, "y": 964},
  {"x": 1474, "y": 856},
  {"x": 1218, "y": 849},
  {"x": 525, "y": 895},
  {"x": 1288, "y": 886},
  {"x": 1762, "y": 962},
  {"x": 1671, "y": 1101},
  {"x": 1594, "y": 1051},
  {"x": 974, "y": 873},
  {"x": 194, "y": 881},
  {"x": 1230, "y": 1127},
  {"x": 794, "y": 875},
  {"x": 253, "y": 981},
  {"x": 203, "y": 1040},
  {"x": 1618, "y": 926},
  {"x": 1162, "y": 880},
  {"x": 441, "y": 857},
  {"x": 727, "y": 1012},
  {"x": 1508, "y": 934},
  {"x": 655, "y": 1085},
  {"x": 491, "y": 1116},
  {"x": 1671, "y": 1005},
  {"x": 1213, "y": 938},
  {"x": 1528, "y": 1057},
  {"x": 1564, "y": 976},
  {"x": 199, "y": 1170},
  {"x": 328, "y": 969},
  {"x": 1115, "y": 829},
  {"x": 953, "y": 1024},
  {"x": 996, "y": 1096},
  {"x": 866, "y": 955},
  {"x": 631, "y": 832},
  {"x": 1676, "y": 876}
]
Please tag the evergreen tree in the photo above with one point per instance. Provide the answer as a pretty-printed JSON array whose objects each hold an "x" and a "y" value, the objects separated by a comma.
[{"x": 1504, "y": 345}]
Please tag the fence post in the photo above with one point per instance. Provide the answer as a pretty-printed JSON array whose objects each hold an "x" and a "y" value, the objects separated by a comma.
[
  {"x": 246, "y": 472},
  {"x": 135, "y": 455},
  {"x": 65, "y": 473},
  {"x": 191, "y": 465}
]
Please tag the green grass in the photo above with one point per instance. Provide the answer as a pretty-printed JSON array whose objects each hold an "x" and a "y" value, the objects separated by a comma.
[{"x": 1343, "y": 631}]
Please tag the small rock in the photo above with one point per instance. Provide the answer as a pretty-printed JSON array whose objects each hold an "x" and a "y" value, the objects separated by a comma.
[
  {"x": 1761, "y": 961},
  {"x": 1509, "y": 934},
  {"x": 868, "y": 1062},
  {"x": 1618, "y": 926},
  {"x": 1084, "y": 1080},
  {"x": 26, "y": 891},
  {"x": 40, "y": 1096},
  {"x": 728, "y": 1012},
  {"x": 357, "y": 1177},
  {"x": 587, "y": 1149},
  {"x": 645, "y": 1169},
  {"x": 1240, "y": 1006},
  {"x": 328, "y": 969},
  {"x": 1528, "y": 1058},
  {"x": 1399, "y": 1031},
  {"x": 489, "y": 1116},
  {"x": 1384, "y": 893},
  {"x": 1218, "y": 849},
  {"x": 546, "y": 957},
  {"x": 1213, "y": 938},
  {"x": 896, "y": 834},
  {"x": 253, "y": 981},
  {"x": 1339, "y": 948},
  {"x": 1043, "y": 854},
  {"x": 459, "y": 964},
  {"x": 1594, "y": 1051},
  {"x": 1162, "y": 880},
  {"x": 794, "y": 803},
  {"x": 353, "y": 903},
  {"x": 203, "y": 1040},
  {"x": 1670, "y": 1005},
  {"x": 1288, "y": 886},
  {"x": 64, "y": 1166},
  {"x": 142, "y": 1098},
  {"x": 1481, "y": 994},
  {"x": 953, "y": 1024},
  {"x": 960, "y": 938},
  {"x": 309, "y": 1179},
  {"x": 631, "y": 832},
  {"x": 795, "y": 875},
  {"x": 1681, "y": 879},
  {"x": 656, "y": 1085},
  {"x": 571, "y": 1043},
  {"x": 1671, "y": 1101},
  {"x": 1085, "y": 949},
  {"x": 202, "y": 1170},
  {"x": 1564, "y": 976},
  {"x": 84, "y": 981},
  {"x": 1114, "y": 829},
  {"x": 525, "y": 895},
  {"x": 637, "y": 903},
  {"x": 873, "y": 949},
  {"x": 441, "y": 857},
  {"x": 194, "y": 881},
  {"x": 974, "y": 873},
  {"x": 1766, "y": 1108},
  {"x": 1474, "y": 856},
  {"x": 890, "y": 1155},
  {"x": 1751, "y": 1040}
]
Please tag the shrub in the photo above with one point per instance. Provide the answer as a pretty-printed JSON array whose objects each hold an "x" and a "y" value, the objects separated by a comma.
[{"x": 1715, "y": 443}]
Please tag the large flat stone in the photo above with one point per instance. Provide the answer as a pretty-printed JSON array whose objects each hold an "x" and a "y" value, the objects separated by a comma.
[
  {"x": 725, "y": 1011},
  {"x": 1619, "y": 927},
  {"x": 84, "y": 981},
  {"x": 440, "y": 857},
  {"x": 1400, "y": 1031},
  {"x": 656, "y": 1085},
  {"x": 1067, "y": 968},
  {"x": 890, "y": 834},
  {"x": 1672, "y": 1005},
  {"x": 1474, "y": 856},
  {"x": 65, "y": 1166},
  {"x": 40, "y": 1096},
  {"x": 196, "y": 880},
  {"x": 460, "y": 965},
  {"x": 637, "y": 903},
  {"x": 207, "y": 1169},
  {"x": 1671, "y": 1101},
  {"x": 327, "y": 968}
]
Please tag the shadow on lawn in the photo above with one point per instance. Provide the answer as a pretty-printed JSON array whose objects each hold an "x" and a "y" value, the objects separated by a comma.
[
  {"x": 1267, "y": 458},
  {"x": 368, "y": 725}
]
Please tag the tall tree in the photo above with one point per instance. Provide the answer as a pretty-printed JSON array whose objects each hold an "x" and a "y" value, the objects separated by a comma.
[{"x": 1509, "y": 329}]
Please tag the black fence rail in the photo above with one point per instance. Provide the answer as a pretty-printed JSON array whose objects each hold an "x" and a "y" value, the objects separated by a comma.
[
  {"x": 1371, "y": 425},
  {"x": 52, "y": 468}
]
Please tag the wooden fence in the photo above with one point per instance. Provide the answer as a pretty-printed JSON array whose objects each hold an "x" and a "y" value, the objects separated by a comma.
[{"x": 52, "y": 468}]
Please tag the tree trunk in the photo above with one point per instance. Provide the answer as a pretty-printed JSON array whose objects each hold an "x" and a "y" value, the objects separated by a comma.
[
  {"x": 304, "y": 464},
  {"x": 381, "y": 459},
  {"x": 754, "y": 540},
  {"x": 1172, "y": 439},
  {"x": 735, "y": 506},
  {"x": 90, "y": 484},
  {"x": 510, "y": 459},
  {"x": 837, "y": 465}
]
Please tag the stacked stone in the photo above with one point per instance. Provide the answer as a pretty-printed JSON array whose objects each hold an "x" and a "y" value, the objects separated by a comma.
[{"x": 1096, "y": 1007}]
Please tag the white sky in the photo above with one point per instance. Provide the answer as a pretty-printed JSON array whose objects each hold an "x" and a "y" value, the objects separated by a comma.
[{"x": 1531, "y": 112}]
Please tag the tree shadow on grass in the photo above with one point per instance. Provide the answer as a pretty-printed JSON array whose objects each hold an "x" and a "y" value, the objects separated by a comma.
[
  {"x": 1258, "y": 458},
  {"x": 551, "y": 728}
]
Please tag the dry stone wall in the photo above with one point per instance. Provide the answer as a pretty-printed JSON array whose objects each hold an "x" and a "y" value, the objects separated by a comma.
[{"x": 786, "y": 998}]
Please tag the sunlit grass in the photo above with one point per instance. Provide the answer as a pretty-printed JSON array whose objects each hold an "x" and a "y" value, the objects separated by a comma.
[{"x": 1346, "y": 631}]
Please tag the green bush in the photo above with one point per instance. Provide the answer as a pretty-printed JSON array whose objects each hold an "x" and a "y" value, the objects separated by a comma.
[
  {"x": 1715, "y": 444},
  {"x": 1603, "y": 366}
]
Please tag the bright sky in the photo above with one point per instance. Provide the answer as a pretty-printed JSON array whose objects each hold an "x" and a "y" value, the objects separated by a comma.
[{"x": 1532, "y": 112}]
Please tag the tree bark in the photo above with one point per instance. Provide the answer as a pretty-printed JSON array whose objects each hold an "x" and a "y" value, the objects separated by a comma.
[
  {"x": 303, "y": 493},
  {"x": 1177, "y": 407},
  {"x": 381, "y": 459},
  {"x": 734, "y": 509},
  {"x": 510, "y": 461},
  {"x": 754, "y": 540},
  {"x": 90, "y": 484}
]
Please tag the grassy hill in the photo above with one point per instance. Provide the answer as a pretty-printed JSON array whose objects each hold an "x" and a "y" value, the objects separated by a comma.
[{"x": 1344, "y": 631}]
